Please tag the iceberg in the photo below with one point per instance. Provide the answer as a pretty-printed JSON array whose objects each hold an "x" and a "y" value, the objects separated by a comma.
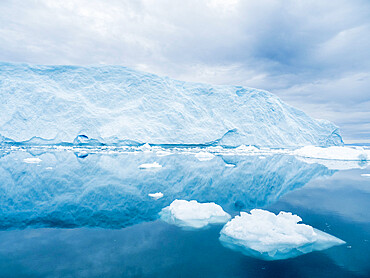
[
  {"x": 191, "y": 214},
  {"x": 267, "y": 236},
  {"x": 98, "y": 105}
]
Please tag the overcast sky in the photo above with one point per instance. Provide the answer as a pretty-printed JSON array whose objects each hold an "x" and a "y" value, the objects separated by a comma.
[{"x": 315, "y": 55}]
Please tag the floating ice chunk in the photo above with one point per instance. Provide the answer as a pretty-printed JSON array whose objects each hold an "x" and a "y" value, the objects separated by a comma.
[
  {"x": 230, "y": 165},
  {"x": 193, "y": 214},
  {"x": 335, "y": 152},
  {"x": 32, "y": 160},
  {"x": 365, "y": 175},
  {"x": 49, "y": 168},
  {"x": 150, "y": 165},
  {"x": 204, "y": 156},
  {"x": 156, "y": 195},
  {"x": 267, "y": 236}
]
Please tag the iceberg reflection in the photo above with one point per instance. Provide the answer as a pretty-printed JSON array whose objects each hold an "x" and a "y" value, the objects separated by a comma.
[{"x": 109, "y": 190}]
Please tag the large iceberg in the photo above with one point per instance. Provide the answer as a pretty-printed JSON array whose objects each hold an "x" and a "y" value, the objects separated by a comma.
[
  {"x": 267, "y": 236},
  {"x": 114, "y": 104}
]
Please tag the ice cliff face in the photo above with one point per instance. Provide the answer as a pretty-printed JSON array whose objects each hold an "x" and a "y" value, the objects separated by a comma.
[{"x": 114, "y": 104}]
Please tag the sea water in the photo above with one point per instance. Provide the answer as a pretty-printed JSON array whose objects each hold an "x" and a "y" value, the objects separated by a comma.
[{"x": 87, "y": 212}]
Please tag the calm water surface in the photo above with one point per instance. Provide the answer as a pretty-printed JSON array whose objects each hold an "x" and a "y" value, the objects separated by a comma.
[{"x": 76, "y": 214}]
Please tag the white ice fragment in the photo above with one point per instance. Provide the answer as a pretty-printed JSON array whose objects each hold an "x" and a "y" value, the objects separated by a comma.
[
  {"x": 156, "y": 195},
  {"x": 334, "y": 152},
  {"x": 230, "y": 165},
  {"x": 150, "y": 165},
  {"x": 268, "y": 236},
  {"x": 32, "y": 160},
  {"x": 204, "y": 156},
  {"x": 365, "y": 175},
  {"x": 192, "y": 214},
  {"x": 49, "y": 168}
]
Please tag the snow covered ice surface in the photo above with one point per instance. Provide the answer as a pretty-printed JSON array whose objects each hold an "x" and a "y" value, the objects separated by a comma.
[
  {"x": 267, "y": 236},
  {"x": 191, "y": 214},
  {"x": 117, "y": 105}
]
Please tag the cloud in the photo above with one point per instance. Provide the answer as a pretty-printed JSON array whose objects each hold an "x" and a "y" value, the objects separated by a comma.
[{"x": 311, "y": 53}]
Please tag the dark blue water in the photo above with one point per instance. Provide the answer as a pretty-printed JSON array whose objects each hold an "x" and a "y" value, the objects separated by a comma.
[{"x": 90, "y": 216}]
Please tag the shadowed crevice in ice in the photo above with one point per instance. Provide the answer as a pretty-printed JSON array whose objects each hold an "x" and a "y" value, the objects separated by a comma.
[
  {"x": 191, "y": 214},
  {"x": 110, "y": 190},
  {"x": 267, "y": 236}
]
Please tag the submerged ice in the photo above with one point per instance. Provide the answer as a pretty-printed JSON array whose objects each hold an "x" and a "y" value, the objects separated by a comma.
[
  {"x": 264, "y": 235},
  {"x": 191, "y": 214},
  {"x": 117, "y": 105}
]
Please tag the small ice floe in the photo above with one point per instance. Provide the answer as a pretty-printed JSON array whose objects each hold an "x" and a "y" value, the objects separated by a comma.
[
  {"x": 267, "y": 236},
  {"x": 204, "y": 156},
  {"x": 230, "y": 165},
  {"x": 334, "y": 152},
  {"x": 49, "y": 168},
  {"x": 32, "y": 160},
  {"x": 156, "y": 195},
  {"x": 150, "y": 165},
  {"x": 191, "y": 214},
  {"x": 365, "y": 175}
]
